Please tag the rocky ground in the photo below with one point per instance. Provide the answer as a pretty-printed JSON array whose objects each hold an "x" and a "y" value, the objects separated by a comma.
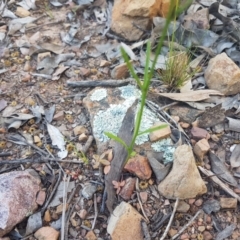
[{"x": 63, "y": 83}]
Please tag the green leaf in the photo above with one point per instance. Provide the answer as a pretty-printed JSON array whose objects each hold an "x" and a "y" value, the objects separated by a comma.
[
  {"x": 149, "y": 130},
  {"x": 130, "y": 67},
  {"x": 117, "y": 139},
  {"x": 146, "y": 75},
  {"x": 133, "y": 154}
]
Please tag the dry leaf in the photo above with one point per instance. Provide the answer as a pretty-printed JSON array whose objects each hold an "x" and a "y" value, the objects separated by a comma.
[{"x": 193, "y": 96}]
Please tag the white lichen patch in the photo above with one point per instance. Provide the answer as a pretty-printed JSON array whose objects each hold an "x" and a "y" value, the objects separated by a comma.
[
  {"x": 148, "y": 120},
  {"x": 165, "y": 146},
  {"x": 129, "y": 91},
  {"x": 109, "y": 120},
  {"x": 99, "y": 94}
]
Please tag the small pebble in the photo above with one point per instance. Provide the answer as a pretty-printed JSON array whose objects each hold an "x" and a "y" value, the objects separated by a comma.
[
  {"x": 199, "y": 202},
  {"x": 83, "y": 213},
  {"x": 207, "y": 235},
  {"x": 201, "y": 228}
]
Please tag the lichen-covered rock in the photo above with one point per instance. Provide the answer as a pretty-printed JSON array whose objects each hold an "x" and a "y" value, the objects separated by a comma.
[
  {"x": 18, "y": 191},
  {"x": 223, "y": 74},
  {"x": 184, "y": 180}
]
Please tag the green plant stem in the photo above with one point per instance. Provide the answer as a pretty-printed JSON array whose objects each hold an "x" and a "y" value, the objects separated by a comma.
[{"x": 137, "y": 124}]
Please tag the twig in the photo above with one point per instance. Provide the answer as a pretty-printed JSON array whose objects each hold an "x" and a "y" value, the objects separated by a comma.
[
  {"x": 145, "y": 230},
  {"x": 5, "y": 154},
  {"x": 95, "y": 211},
  {"x": 187, "y": 225},
  {"x": 52, "y": 193},
  {"x": 65, "y": 186},
  {"x": 219, "y": 182},
  {"x": 170, "y": 220},
  {"x": 88, "y": 144},
  {"x": 103, "y": 83},
  {"x": 41, "y": 160}
]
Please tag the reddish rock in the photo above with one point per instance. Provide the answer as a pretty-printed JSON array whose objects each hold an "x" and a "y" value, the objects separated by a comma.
[
  {"x": 207, "y": 235},
  {"x": 90, "y": 236},
  {"x": 201, "y": 148},
  {"x": 120, "y": 72},
  {"x": 18, "y": 191},
  {"x": 199, "y": 202},
  {"x": 143, "y": 196},
  {"x": 139, "y": 165},
  {"x": 125, "y": 223},
  {"x": 127, "y": 190},
  {"x": 46, "y": 233},
  {"x": 59, "y": 116},
  {"x": 41, "y": 197},
  {"x": 84, "y": 71},
  {"x": 199, "y": 133}
]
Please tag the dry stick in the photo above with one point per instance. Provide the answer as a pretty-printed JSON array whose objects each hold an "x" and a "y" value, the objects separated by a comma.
[
  {"x": 65, "y": 186},
  {"x": 52, "y": 193},
  {"x": 5, "y": 154},
  {"x": 88, "y": 144},
  {"x": 187, "y": 225},
  {"x": 170, "y": 221},
  {"x": 219, "y": 182},
  {"x": 96, "y": 212},
  {"x": 102, "y": 83},
  {"x": 41, "y": 160}
]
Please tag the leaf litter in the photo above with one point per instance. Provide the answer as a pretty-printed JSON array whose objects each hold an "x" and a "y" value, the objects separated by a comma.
[{"x": 76, "y": 38}]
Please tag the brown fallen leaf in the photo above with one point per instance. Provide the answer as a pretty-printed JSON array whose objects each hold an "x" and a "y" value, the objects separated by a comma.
[{"x": 193, "y": 96}]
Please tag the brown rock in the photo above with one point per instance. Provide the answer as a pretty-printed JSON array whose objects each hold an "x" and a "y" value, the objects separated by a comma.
[
  {"x": 21, "y": 12},
  {"x": 143, "y": 196},
  {"x": 172, "y": 232},
  {"x": 199, "y": 133},
  {"x": 47, "y": 216},
  {"x": 122, "y": 24},
  {"x": 207, "y": 235},
  {"x": 184, "y": 180},
  {"x": 78, "y": 130},
  {"x": 199, "y": 202},
  {"x": 90, "y": 236},
  {"x": 228, "y": 203},
  {"x": 201, "y": 228},
  {"x": 139, "y": 165},
  {"x": 120, "y": 72},
  {"x": 200, "y": 19},
  {"x": 160, "y": 133},
  {"x": 85, "y": 72},
  {"x": 201, "y": 148},
  {"x": 127, "y": 190},
  {"x": 104, "y": 63},
  {"x": 59, "y": 116},
  {"x": 18, "y": 191},
  {"x": 41, "y": 197},
  {"x": 183, "y": 207},
  {"x": 83, "y": 213},
  {"x": 223, "y": 74},
  {"x": 46, "y": 233},
  {"x": 184, "y": 236},
  {"x": 82, "y": 137},
  {"x": 184, "y": 125},
  {"x": 122, "y": 217}
]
